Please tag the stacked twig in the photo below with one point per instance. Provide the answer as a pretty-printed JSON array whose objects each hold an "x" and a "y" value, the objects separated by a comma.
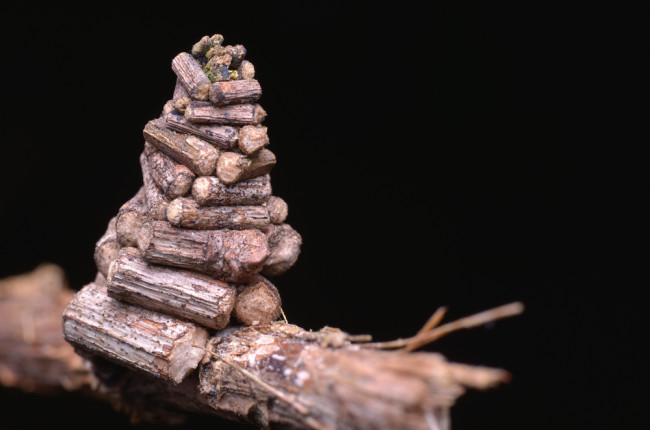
[{"x": 190, "y": 251}]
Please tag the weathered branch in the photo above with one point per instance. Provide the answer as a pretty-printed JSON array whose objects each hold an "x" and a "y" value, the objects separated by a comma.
[
  {"x": 242, "y": 114},
  {"x": 277, "y": 374},
  {"x": 210, "y": 191},
  {"x": 187, "y": 213},
  {"x": 222, "y": 136}
]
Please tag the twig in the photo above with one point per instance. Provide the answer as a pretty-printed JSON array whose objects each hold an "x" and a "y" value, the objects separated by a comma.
[
  {"x": 475, "y": 320},
  {"x": 431, "y": 323}
]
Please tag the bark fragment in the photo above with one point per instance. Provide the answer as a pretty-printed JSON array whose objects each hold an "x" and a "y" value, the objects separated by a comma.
[
  {"x": 191, "y": 76},
  {"x": 278, "y": 209},
  {"x": 130, "y": 218},
  {"x": 174, "y": 179},
  {"x": 257, "y": 303},
  {"x": 233, "y": 92},
  {"x": 252, "y": 139},
  {"x": 155, "y": 199},
  {"x": 284, "y": 243},
  {"x": 234, "y": 167},
  {"x": 242, "y": 114},
  {"x": 221, "y": 136},
  {"x": 107, "y": 248}
]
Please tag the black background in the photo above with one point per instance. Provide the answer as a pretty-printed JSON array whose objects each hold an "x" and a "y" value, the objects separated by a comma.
[{"x": 462, "y": 155}]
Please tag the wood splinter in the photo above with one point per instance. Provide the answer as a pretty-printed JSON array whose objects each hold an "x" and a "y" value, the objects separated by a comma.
[
  {"x": 210, "y": 191},
  {"x": 154, "y": 197},
  {"x": 232, "y": 92},
  {"x": 187, "y": 213},
  {"x": 191, "y": 296},
  {"x": 242, "y": 114},
  {"x": 191, "y": 76},
  {"x": 221, "y": 136},
  {"x": 130, "y": 218},
  {"x": 284, "y": 243},
  {"x": 174, "y": 179},
  {"x": 107, "y": 248},
  {"x": 138, "y": 338},
  {"x": 258, "y": 303},
  {"x": 196, "y": 154},
  {"x": 231, "y": 255},
  {"x": 234, "y": 167}
]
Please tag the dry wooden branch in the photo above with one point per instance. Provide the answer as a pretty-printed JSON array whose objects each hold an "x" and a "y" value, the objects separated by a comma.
[
  {"x": 174, "y": 179},
  {"x": 252, "y": 139},
  {"x": 242, "y": 114},
  {"x": 107, "y": 248},
  {"x": 222, "y": 136},
  {"x": 284, "y": 243},
  {"x": 187, "y": 295},
  {"x": 130, "y": 218},
  {"x": 231, "y": 255},
  {"x": 154, "y": 198},
  {"x": 210, "y": 191},
  {"x": 275, "y": 375},
  {"x": 191, "y": 76},
  {"x": 232, "y": 92},
  {"x": 132, "y": 336},
  {"x": 234, "y": 167},
  {"x": 187, "y": 213},
  {"x": 278, "y": 209},
  {"x": 191, "y": 151}
]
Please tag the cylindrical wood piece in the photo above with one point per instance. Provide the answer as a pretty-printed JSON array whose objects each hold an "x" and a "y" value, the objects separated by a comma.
[
  {"x": 252, "y": 139},
  {"x": 173, "y": 178},
  {"x": 187, "y": 213},
  {"x": 230, "y": 255},
  {"x": 107, "y": 248},
  {"x": 221, "y": 136},
  {"x": 278, "y": 209},
  {"x": 210, "y": 191},
  {"x": 242, "y": 114},
  {"x": 154, "y": 197},
  {"x": 179, "y": 91},
  {"x": 285, "y": 244},
  {"x": 130, "y": 218},
  {"x": 258, "y": 303},
  {"x": 198, "y": 155},
  {"x": 191, "y": 76},
  {"x": 232, "y": 92},
  {"x": 188, "y": 295},
  {"x": 234, "y": 167},
  {"x": 138, "y": 338}
]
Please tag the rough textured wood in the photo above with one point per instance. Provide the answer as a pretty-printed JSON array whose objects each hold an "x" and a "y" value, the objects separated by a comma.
[
  {"x": 231, "y": 92},
  {"x": 246, "y": 70},
  {"x": 234, "y": 167},
  {"x": 285, "y": 244},
  {"x": 230, "y": 255},
  {"x": 198, "y": 155},
  {"x": 191, "y": 76},
  {"x": 173, "y": 178},
  {"x": 156, "y": 201},
  {"x": 278, "y": 209},
  {"x": 181, "y": 293},
  {"x": 314, "y": 380},
  {"x": 138, "y": 338},
  {"x": 252, "y": 139},
  {"x": 107, "y": 247},
  {"x": 181, "y": 103},
  {"x": 222, "y": 136},
  {"x": 257, "y": 303},
  {"x": 33, "y": 355},
  {"x": 129, "y": 220},
  {"x": 179, "y": 91},
  {"x": 210, "y": 191},
  {"x": 187, "y": 213},
  {"x": 242, "y": 114}
]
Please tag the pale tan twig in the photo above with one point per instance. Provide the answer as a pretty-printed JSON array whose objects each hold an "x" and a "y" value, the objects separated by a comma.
[
  {"x": 478, "y": 319},
  {"x": 284, "y": 317},
  {"x": 431, "y": 323}
]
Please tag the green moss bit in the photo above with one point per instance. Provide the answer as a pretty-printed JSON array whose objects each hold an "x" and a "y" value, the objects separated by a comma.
[
  {"x": 201, "y": 47},
  {"x": 209, "y": 74},
  {"x": 234, "y": 75}
]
